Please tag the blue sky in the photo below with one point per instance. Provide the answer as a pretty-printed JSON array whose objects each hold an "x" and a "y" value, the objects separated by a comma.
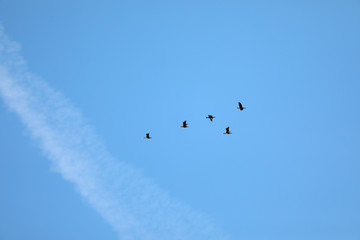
[{"x": 288, "y": 171}]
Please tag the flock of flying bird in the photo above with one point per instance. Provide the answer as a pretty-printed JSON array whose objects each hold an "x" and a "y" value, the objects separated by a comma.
[{"x": 211, "y": 117}]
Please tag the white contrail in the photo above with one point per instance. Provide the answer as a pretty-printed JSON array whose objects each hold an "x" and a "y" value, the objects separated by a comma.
[{"x": 134, "y": 206}]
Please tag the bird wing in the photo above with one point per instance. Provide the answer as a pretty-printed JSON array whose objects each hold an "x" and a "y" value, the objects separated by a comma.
[
  {"x": 184, "y": 123},
  {"x": 148, "y": 135},
  {"x": 240, "y": 105},
  {"x": 227, "y": 130}
]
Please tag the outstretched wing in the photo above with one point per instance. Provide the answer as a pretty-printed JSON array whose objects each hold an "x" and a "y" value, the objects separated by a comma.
[
  {"x": 227, "y": 130},
  {"x": 184, "y": 123},
  {"x": 148, "y": 135},
  {"x": 240, "y": 105}
]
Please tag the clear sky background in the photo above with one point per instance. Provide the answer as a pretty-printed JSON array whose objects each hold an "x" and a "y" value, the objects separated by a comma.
[{"x": 290, "y": 170}]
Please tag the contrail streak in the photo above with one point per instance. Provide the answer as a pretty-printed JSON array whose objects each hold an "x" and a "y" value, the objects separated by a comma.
[{"x": 133, "y": 205}]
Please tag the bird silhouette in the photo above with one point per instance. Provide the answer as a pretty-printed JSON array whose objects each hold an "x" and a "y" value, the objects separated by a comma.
[
  {"x": 227, "y": 131},
  {"x": 240, "y": 107},
  {"x": 185, "y": 125},
  {"x": 211, "y": 117},
  {"x": 147, "y": 136}
]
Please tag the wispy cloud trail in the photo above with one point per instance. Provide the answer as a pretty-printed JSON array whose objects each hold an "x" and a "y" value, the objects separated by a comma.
[{"x": 134, "y": 206}]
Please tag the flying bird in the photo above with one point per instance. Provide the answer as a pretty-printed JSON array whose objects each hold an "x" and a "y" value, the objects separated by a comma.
[
  {"x": 211, "y": 117},
  {"x": 185, "y": 125},
  {"x": 147, "y": 136},
  {"x": 227, "y": 131},
  {"x": 240, "y": 107}
]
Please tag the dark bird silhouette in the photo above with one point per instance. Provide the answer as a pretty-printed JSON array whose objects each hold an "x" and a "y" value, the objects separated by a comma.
[
  {"x": 240, "y": 107},
  {"x": 227, "y": 131},
  {"x": 147, "y": 136},
  {"x": 211, "y": 117},
  {"x": 185, "y": 125}
]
